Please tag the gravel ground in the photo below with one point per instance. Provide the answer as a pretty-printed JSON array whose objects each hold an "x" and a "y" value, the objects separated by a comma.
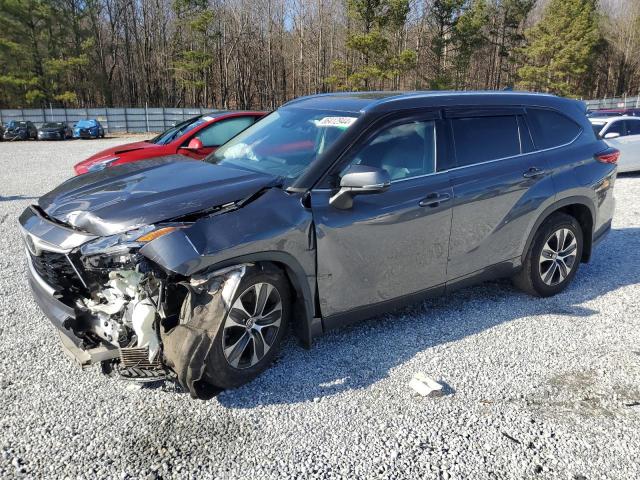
[{"x": 535, "y": 388}]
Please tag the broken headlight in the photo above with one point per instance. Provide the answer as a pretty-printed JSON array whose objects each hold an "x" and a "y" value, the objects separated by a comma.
[{"x": 123, "y": 243}]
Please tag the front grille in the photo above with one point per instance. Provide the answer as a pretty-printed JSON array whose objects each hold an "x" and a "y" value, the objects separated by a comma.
[
  {"x": 138, "y": 357},
  {"x": 57, "y": 271}
]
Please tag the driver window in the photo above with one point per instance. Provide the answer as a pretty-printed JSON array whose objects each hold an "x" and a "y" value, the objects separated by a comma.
[
  {"x": 404, "y": 151},
  {"x": 221, "y": 132}
]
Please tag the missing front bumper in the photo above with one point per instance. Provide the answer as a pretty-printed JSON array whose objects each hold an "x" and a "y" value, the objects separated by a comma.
[{"x": 62, "y": 316}]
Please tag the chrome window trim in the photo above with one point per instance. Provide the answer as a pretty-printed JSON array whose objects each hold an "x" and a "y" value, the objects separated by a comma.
[{"x": 473, "y": 164}]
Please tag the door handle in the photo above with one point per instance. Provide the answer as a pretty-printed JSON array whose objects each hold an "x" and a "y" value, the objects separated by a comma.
[
  {"x": 434, "y": 199},
  {"x": 533, "y": 172}
]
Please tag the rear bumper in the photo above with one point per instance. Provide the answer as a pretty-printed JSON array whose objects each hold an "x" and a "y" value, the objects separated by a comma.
[
  {"x": 601, "y": 233},
  {"x": 62, "y": 317}
]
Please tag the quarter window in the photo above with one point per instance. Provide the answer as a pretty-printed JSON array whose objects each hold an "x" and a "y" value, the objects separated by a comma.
[
  {"x": 633, "y": 127},
  {"x": 481, "y": 139},
  {"x": 404, "y": 151},
  {"x": 616, "y": 127},
  {"x": 551, "y": 129}
]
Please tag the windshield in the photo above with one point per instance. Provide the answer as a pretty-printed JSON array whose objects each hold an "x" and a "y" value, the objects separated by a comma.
[
  {"x": 14, "y": 124},
  {"x": 52, "y": 125},
  {"x": 86, "y": 123},
  {"x": 284, "y": 143},
  {"x": 178, "y": 130}
]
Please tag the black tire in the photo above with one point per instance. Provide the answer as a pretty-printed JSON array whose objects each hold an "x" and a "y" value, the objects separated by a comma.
[
  {"x": 219, "y": 371},
  {"x": 530, "y": 277}
]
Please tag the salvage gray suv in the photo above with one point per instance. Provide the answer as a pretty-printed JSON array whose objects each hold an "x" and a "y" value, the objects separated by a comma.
[{"x": 333, "y": 208}]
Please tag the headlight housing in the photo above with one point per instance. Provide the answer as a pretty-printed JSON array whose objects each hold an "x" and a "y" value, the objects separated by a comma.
[
  {"x": 102, "y": 164},
  {"x": 122, "y": 243}
]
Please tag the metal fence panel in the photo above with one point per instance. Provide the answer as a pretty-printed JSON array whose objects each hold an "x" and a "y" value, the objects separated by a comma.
[
  {"x": 158, "y": 119},
  {"x": 616, "y": 102},
  {"x": 113, "y": 119}
]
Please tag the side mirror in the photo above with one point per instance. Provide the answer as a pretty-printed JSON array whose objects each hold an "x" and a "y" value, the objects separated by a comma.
[
  {"x": 611, "y": 135},
  {"x": 194, "y": 144},
  {"x": 359, "y": 180}
]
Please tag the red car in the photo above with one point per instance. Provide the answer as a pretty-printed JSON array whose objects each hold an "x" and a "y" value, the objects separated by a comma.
[{"x": 195, "y": 138}]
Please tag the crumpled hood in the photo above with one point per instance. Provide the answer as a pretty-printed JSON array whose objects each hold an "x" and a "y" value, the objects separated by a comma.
[{"x": 128, "y": 196}]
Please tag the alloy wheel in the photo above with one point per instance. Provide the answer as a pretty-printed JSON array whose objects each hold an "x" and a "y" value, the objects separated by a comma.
[
  {"x": 558, "y": 256},
  {"x": 252, "y": 325}
]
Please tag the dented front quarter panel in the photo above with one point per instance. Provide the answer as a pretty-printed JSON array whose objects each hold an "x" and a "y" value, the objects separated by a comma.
[
  {"x": 274, "y": 227},
  {"x": 187, "y": 345}
]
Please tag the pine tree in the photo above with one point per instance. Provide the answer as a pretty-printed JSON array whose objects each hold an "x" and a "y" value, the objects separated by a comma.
[
  {"x": 561, "y": 48},
  {"x": 378, "y": 59}
]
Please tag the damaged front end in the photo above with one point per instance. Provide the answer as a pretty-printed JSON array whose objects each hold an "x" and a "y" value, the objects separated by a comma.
[{"x": 114, "y": 306}]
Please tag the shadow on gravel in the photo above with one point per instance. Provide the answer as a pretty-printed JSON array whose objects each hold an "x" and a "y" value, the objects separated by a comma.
[
  {"x": 12, "y": 198},
  {"x": 355, "y": 357},
  {"x": 629, "y": 175}
]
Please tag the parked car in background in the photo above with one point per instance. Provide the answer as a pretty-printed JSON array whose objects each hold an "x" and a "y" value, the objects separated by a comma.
[
  {"x": 54, "y": 131},
  {"x": 195, "y": 138},
  {"x": 614, "y": 112},
  {"x": 622, "y": 133},
  {"x": 331, "y": 209},
  {"x": 20, "y": 130},
  {"x": 91, "y": 128}
]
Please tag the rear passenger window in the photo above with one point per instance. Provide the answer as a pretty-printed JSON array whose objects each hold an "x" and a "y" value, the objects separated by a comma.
[
  {"x": 616, "y": 127},
  {"x": 481, "y": 139},
  {"x": 633, "y": 126},
  {"x": 551, "y": 129}
]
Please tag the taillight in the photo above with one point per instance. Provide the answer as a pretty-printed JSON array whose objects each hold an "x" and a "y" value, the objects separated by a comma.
[{"x": 610, "y": 155}]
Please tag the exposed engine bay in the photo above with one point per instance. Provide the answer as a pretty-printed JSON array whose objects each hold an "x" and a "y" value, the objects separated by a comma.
[
  {"x": 156, "y": 325},
  {"x": 124, "y": 312},
  {"x": 140, "y": 281}
]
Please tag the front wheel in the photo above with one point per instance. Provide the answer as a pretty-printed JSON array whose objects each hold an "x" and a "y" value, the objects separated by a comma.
[
  {"x": 553, "y": 258},
  {"x": 251, "y": 333}
]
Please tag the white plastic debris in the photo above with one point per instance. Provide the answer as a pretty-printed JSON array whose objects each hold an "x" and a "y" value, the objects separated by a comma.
[
  {"x": 425, "y": 386},
  {"x": 142, "y": 319},
  {"x": 125, "y": 281}
]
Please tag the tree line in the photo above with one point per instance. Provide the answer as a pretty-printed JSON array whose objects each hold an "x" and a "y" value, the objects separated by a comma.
[{"x": 260, "y": 53}]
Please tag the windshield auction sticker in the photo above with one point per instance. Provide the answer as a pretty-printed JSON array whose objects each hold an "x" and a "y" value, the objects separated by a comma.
[{"x": 340, "y": 122}]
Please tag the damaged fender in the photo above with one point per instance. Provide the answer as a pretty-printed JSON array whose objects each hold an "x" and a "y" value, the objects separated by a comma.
[
  {"x": 187, "y": 346},
  {"x": 274, "y": 227}
]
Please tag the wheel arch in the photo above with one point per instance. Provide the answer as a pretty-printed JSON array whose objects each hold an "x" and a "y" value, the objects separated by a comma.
[
  {"x": 306, "y": 324},
  {"x": 579, "y": 207}
]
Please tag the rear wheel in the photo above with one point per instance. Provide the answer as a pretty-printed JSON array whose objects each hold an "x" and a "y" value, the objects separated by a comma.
[
  {"x": 553, "y": 258},
  {"x": 251, "y": 333}
]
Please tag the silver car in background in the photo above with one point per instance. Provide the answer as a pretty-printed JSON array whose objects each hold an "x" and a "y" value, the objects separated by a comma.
[{"x": 622, "y": 133}]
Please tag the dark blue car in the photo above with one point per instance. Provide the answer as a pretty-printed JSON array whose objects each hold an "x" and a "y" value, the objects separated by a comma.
[{"x": 90, "y": 128}]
